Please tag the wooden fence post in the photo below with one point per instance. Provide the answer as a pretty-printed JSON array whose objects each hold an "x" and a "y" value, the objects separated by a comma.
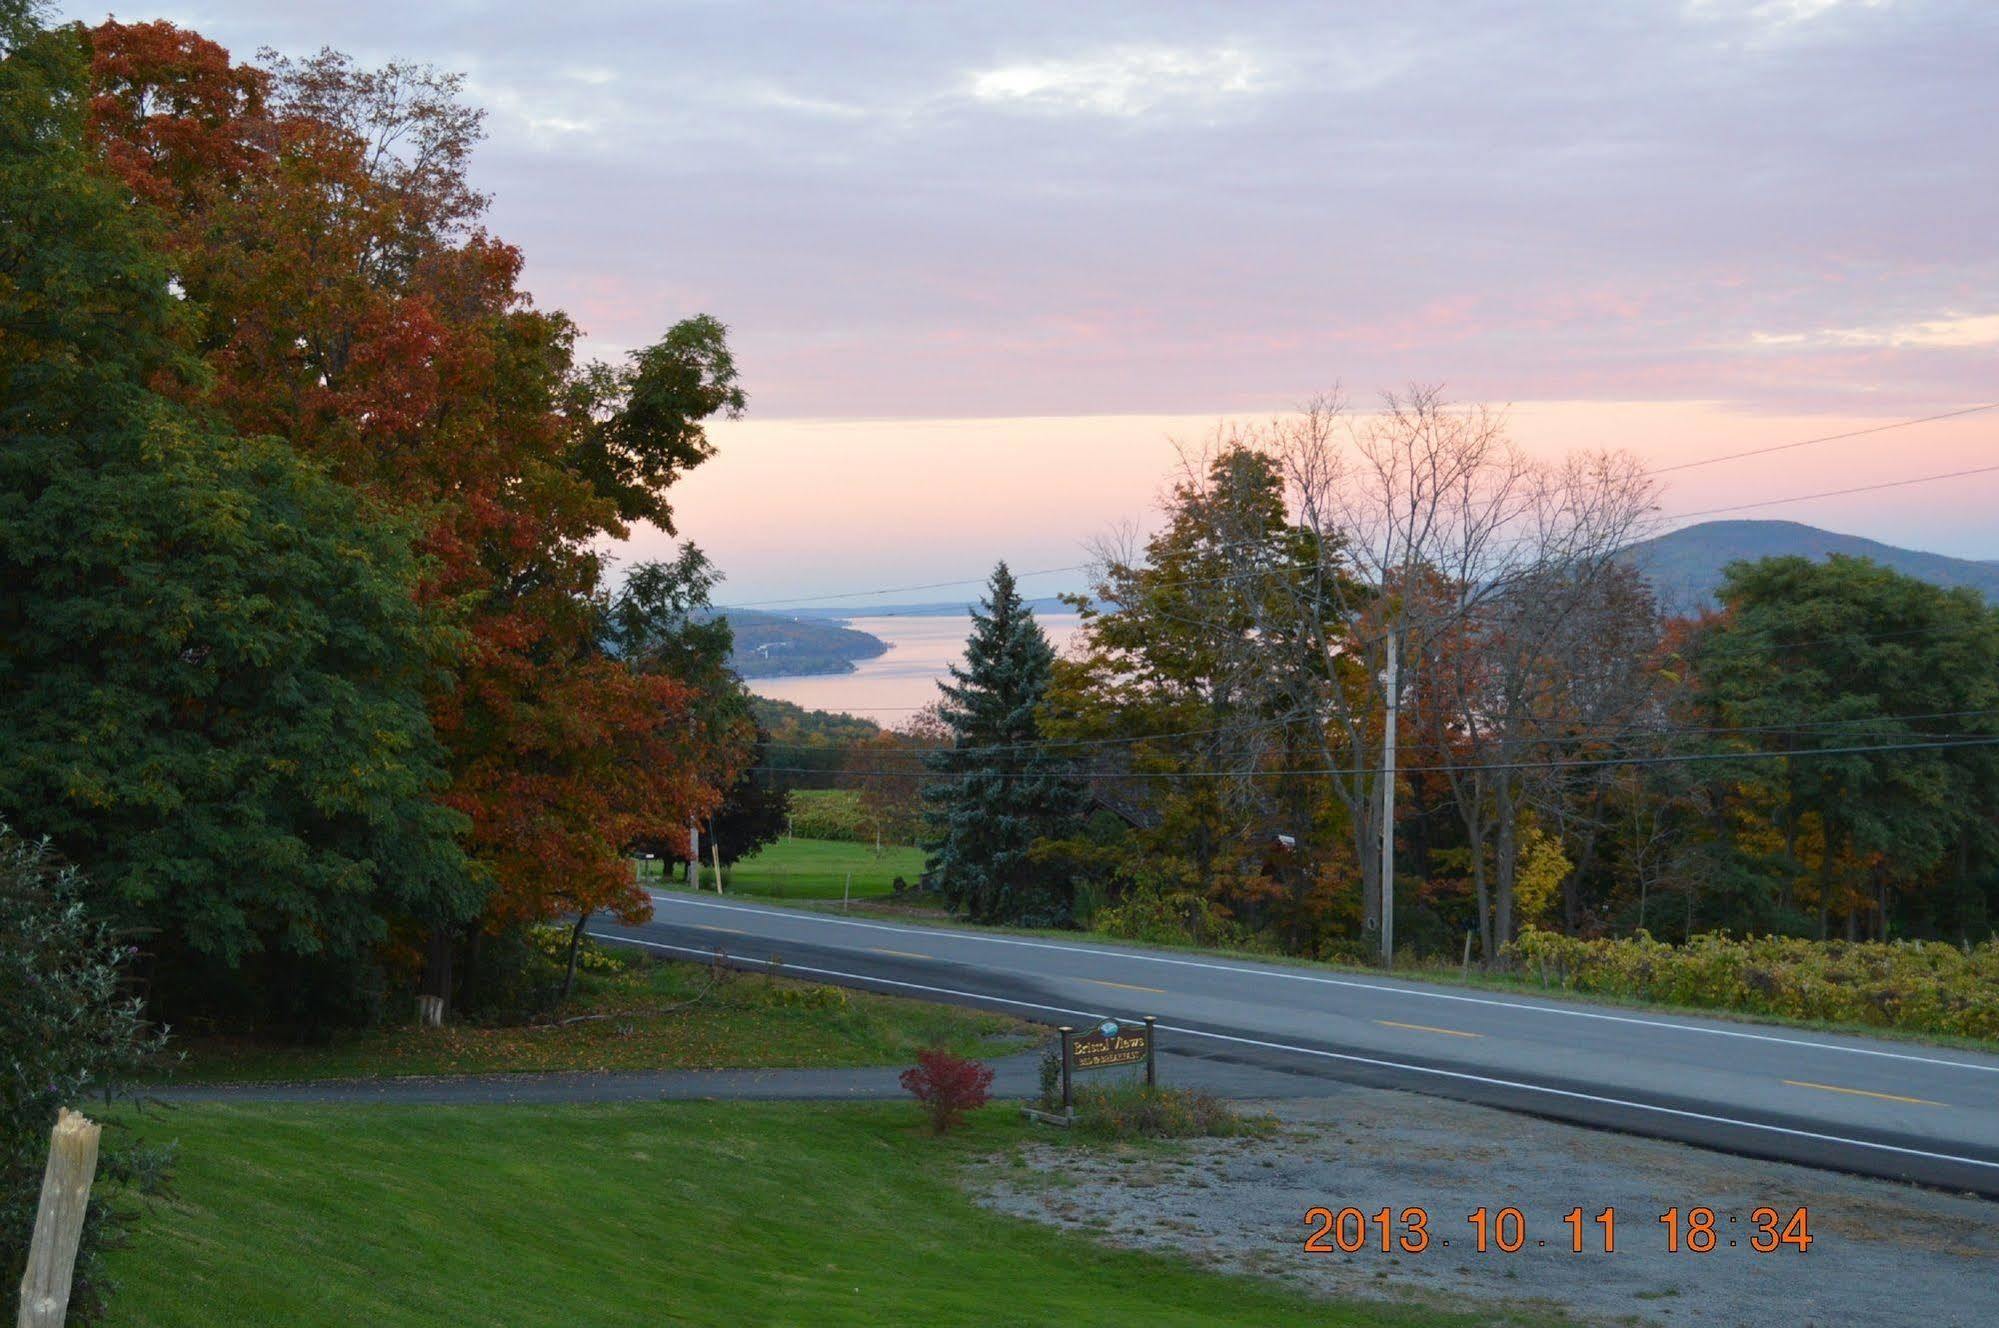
[{"x": 59, "y": 1221}]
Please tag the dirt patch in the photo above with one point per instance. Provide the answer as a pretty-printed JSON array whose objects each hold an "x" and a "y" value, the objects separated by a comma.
[{"x": 1881, "y": 1256}]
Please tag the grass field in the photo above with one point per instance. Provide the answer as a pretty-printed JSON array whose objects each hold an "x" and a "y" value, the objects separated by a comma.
[
  {"x": 817, "y": 869},
  {"x": 695, "y": 1213},
  {"x": 742, "y": 1022}
]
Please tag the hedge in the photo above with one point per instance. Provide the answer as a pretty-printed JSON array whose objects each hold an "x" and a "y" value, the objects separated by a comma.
[{"x": 1927, "y": 987}]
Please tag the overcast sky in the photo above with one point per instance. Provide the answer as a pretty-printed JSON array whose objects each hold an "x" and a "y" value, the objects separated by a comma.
[{"x": 1033, "y": 238}]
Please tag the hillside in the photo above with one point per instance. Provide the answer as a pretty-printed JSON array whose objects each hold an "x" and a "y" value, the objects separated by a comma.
[
  {"x": 772, "y": 645},
  {"x": 1685, "y": 566}
]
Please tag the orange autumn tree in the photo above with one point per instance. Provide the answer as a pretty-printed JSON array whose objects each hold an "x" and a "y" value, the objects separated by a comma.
[{"x": 344, "y": 295}]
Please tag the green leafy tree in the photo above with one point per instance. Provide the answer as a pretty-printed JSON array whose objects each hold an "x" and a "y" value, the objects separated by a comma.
[
  {"x": 1822, "y": 657},
  {"x": 1190, "y": 660},
  {"x": 212, "y": 658},
  {"x": 754, "y": 814},
  {"x": 640, "y": 423},
  {"x": 662, "y": 620},
  {"x": 1000, "y": 790}
]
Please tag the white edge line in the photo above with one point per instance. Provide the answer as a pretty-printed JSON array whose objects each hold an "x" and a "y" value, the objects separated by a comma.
[
  {"x": 956, "y": 934},
  {"x": 1591, "y": 1097},
  {"x": 1346, "y": 1056}
]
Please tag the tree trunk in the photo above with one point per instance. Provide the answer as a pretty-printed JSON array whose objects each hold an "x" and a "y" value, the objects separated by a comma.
[
  {"x": 1571, "y": 883},
  {"x": 1483, "y": 892},
  {"x": 1506, "y": 855},
  {"x": 575, "y": 940},
  {"x": 1363, "y": 818},
  {"x": 437, "y": 966},
  {"x": 1880, "y": 903}
]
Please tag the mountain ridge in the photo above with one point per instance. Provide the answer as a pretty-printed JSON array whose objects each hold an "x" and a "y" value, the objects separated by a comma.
[{"x": 1685, "y": 565}]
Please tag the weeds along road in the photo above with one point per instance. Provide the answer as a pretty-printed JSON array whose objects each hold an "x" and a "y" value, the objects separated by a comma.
[{"x": 1870, "y": 1106}]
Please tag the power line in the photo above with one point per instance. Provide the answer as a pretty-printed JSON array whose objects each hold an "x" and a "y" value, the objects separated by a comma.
[
  {"x": 1839, "y": 493},
  {"x": 1828, "y": 438},
  {"x": 1657, "y": 470},
  {"x": 1635, "y": 732},
  {"x": 1460, "y": 768}
]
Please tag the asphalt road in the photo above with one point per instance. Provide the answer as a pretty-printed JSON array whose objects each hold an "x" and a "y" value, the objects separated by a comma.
[{"x": 1873, "y": 1107}]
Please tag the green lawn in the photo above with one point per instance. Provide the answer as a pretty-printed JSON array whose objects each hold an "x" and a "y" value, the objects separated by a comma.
[
  {"x": 744, "y": 1021},
  {"x": 693, "y": 1213},
  {"x": 818, "y": 868}
]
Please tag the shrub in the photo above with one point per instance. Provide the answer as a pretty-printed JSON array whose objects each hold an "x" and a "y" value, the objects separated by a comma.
[
  {"x": 1160, "y": 915},
  {"x": 1926, "y": 987},
  {"x": 68, "y": 1028},
  {"x": 801, "y": 996},
  {"x": 948, "y": 1086},
  {"x": 551, "y": 942},
  {"x": 1131, "y": 1110}
]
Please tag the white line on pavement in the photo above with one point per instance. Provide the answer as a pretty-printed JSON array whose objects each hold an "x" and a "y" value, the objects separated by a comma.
[
  {"x": 1362, "y": 1060},
  {"x": 947, "y": 933},
  {"x": 1588, "y": 1097}
]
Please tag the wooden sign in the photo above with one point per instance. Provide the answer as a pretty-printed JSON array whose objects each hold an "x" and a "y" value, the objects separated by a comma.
[{"x": 1110, "y": 1043}]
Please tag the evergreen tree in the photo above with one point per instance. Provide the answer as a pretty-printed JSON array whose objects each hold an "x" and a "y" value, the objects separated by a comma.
[{"x": 1001, "y": 791}]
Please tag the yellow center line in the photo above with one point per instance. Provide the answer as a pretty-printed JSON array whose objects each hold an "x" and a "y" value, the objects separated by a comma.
[
  {"x": 1126, "y": 986},
  {"x": 900, "y": 954},
  {"x": 1861, "y": 1092},
  {"x": 733, "y": 931},
  {"x": 1426, "y": 1028}
]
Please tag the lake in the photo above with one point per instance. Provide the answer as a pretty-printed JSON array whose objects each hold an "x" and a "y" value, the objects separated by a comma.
[{"x": 891, "y": 687}]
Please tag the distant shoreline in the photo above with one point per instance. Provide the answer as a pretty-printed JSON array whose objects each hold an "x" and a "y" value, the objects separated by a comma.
[{"x": 773, "y": 645}]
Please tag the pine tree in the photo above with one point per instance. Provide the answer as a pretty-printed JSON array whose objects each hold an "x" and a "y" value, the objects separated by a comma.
[{"x": 1001, "y": 789}]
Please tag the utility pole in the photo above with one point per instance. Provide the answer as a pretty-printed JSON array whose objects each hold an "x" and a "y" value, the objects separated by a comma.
[{"x": 1391, "y": 685}]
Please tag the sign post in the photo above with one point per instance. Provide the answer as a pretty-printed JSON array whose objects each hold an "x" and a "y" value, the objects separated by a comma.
[
  {"x": 1151, "y": 1053},
  {"x": 1067, "y": 1062}
]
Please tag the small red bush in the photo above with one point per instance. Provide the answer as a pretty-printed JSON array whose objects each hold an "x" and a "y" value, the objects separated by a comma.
[{"x": 948, "y": 1086}]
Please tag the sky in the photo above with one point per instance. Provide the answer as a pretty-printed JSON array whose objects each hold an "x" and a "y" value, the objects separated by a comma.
[{"x": 981, "y": 261}]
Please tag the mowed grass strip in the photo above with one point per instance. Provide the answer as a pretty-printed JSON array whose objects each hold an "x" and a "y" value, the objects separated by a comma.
[
  {"x": 686, "y": 1213},
  {"x": 818, "y": 868},
  {"x": 747, "y": 1021}
]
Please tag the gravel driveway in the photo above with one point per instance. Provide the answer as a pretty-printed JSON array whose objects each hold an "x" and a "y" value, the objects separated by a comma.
[{"x": 1882, "y": 1255}]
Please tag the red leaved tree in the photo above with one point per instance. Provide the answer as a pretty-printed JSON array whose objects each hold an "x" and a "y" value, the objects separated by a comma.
[{"x": 343, "y": 294}]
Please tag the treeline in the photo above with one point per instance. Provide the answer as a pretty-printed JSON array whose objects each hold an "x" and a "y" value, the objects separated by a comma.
[
  {"x": 1820, "y": 758},
  {"x": 308, "y": 658}
]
